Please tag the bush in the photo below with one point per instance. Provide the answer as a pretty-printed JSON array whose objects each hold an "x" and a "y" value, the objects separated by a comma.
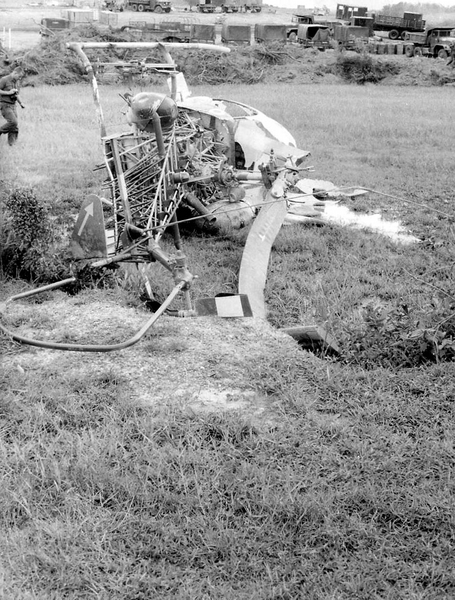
[
  {"x": 362, "y": 68},
  {"x": 28, "y": 242},
  {"x": 398, "y": 337}
]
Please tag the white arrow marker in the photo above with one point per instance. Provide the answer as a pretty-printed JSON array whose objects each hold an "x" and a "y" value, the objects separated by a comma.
[{"x": 89, "y": 211}]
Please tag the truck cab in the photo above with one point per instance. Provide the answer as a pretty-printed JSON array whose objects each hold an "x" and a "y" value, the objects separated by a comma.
[
  {"x": 302, "y": 17},
  {"x": 206, "y": 6},
  {"x": 345, "y": 12},
  {"x": 436, "y": 42},
  {"x": 158, "y": 6},
  {"x": 440, "y": 41}
]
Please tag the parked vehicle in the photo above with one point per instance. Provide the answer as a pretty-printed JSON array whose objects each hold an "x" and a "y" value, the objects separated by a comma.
[
  {"x": 345, "y": 12},
  {"x": 306, "y": 17},
  {"x": 158, "y": 6},
  {"x": 265, "y": 33},
  {"x": 52, "y": 26},
  {"x": 226, "y": 6},
  {"x": 314, "y": 36},
  {"x": 350, "y": 37},
  {"x": 436, "y": 42},
  {"x": 254, "y": 6},
  {"x": 165, "y": 31},
  {"x": 113, "y": 5},
  {"x": 206, "y": 6},
  {"x": 396, "y": 26},
  {"x": 231, "y": 6},
  {"x": 399, "y": 26},
  {"x": 362, "y": 21},
  {"x": 235, "y": 34}
]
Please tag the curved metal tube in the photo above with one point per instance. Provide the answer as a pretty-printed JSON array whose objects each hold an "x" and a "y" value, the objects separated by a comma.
[
  {"x": 186, "y": 46},
  {"x": 89, "y": 70},
  {"x": 91, "y": 347},
  {"x": 44, "y": 288}
]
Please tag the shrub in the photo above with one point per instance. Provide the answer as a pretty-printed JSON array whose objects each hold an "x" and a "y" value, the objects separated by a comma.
[
  {"x": 397, "y": 337},
  {"x": 361, "y": 68},
  {"x": 28, "y": 242}
]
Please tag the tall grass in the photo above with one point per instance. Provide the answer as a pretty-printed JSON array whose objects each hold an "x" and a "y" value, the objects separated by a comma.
[{"x": 346, "y": 490}]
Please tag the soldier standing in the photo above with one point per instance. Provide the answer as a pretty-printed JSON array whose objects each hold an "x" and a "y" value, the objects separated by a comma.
[
  {"x": 8, "y": 99},
  {"x": 452, "y": 56}
]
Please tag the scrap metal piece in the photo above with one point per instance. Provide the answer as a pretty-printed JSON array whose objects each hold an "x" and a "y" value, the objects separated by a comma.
[
  {"x": 89, "y": 238},
  {"x": 224, "y": 305},
  {"x": 310, "y": 337}
]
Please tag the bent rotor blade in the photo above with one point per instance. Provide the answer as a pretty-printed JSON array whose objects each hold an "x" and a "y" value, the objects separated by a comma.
[{"x": 256, "y": 254}]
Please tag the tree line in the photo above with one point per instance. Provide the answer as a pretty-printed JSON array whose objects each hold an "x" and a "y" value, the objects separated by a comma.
[{"x": 423, "y": 8}]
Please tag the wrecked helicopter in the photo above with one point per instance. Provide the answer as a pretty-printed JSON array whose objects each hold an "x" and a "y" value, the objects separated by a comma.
[{"x": 218, "y": 164}]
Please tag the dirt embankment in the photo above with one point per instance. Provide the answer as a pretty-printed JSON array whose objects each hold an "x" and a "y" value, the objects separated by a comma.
[{"x": 51, "y": 63}]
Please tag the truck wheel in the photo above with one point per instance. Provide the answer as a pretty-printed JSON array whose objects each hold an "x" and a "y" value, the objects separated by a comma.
[
  {"x": 442, "y": 53},
  {"x": 292, "y": 37},
  {"x": 418, "y": 52},
  {"x": 134, "y": 7},
  {"x": 140, "y": 8},
  {"x": 409, "y": 51},
  {"x": 394, "y": 34},
  {"x": 158, "y": 9},
  {"x": 403, "y": 35}
]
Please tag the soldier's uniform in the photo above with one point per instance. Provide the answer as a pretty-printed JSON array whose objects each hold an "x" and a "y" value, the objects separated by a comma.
[
  {"x": 452, "y": 56},
  {"x": 8, "y": 107}
]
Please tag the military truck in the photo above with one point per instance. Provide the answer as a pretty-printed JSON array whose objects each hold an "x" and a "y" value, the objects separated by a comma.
[
  {"x": 345, "y": 12},
  {"x": 350, "y": 37},
  {"x": 49, "y": 26},
  {"x": 164, "y": 31},
  {"x": 436, "y": 42},
  {"x": 113, "y": 5},
  {"x": 158, "y": 6},
  {"x": 396, "y": 26},
  {"x": 306, "y": 17},
  {"x": 399, "y": 26},
  {"x": 314, "y": 36},
  {"x": 254, "y": 6},
  {"x": 226, "y": 6}
]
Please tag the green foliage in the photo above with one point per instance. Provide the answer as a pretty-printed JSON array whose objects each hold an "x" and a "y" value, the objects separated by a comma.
[
  {"x": 51, "y": 63},
  {"x": 362, "y": 68},
  {"x": 396, "y": 337},
  {"x": 28, "y": 239},
  {"x": 425, "y": 8}
]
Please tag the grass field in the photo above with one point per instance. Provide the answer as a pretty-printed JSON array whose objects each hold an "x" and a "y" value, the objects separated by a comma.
[{"x": 346, "y": 491}]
